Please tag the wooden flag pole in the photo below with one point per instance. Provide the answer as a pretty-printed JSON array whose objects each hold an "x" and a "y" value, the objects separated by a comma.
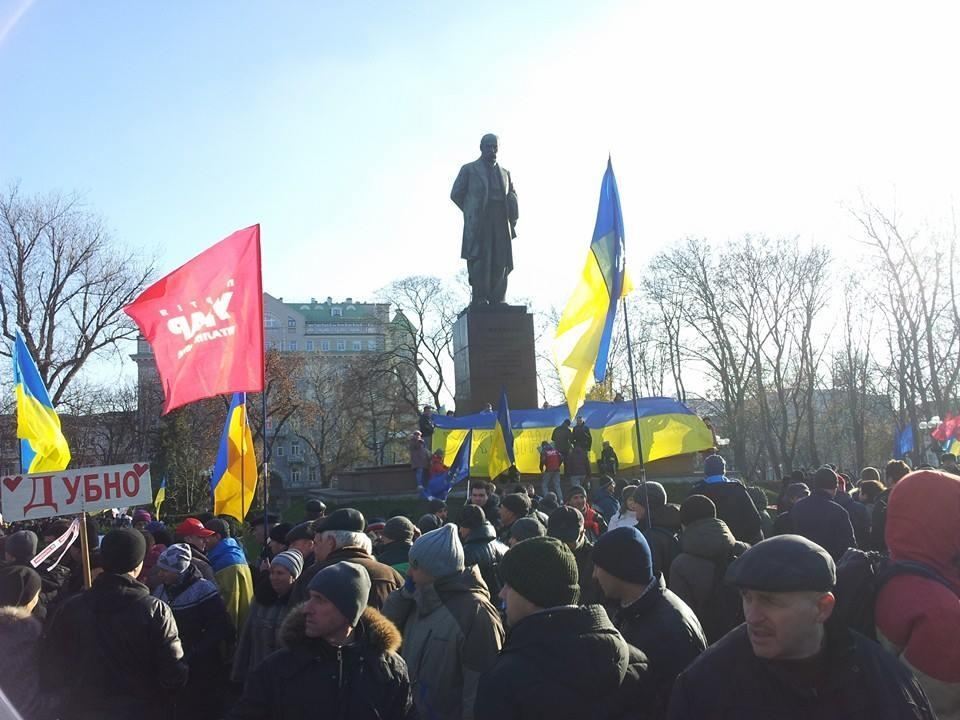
[
  {"x": 243, "y": 480},
  {"x": 85, "y": 552},
  {"x": 636, "y": 415}
]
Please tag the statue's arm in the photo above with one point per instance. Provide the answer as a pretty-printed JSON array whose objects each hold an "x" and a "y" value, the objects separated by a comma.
[
  {"x": 513, "y": 210},
  {"x": 459, "y": 192}
]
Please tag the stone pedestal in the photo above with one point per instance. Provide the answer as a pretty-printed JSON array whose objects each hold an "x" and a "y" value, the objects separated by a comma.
[{"x": 492, "y": 347}]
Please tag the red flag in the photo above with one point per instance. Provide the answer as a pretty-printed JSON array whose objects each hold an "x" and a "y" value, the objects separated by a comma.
[{"x": 204, "y": 322}]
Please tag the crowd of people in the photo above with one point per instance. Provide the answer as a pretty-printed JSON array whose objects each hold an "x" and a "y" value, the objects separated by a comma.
[{"x": 838, "y": 599}]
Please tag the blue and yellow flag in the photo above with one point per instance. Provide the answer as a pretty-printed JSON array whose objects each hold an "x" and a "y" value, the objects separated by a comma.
[
  {"x": 501, "y": 446},
  {"x": 233, "y": 483},
  {"x": 43, "y": 448},
  {"x": 437, "y": 487},
  {"x": 582, "y": 341},
  {"x": 161, "y": 496}
]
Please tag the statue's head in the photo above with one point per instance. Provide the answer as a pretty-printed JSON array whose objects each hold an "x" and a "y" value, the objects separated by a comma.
[{"x": 488, "y": 147}]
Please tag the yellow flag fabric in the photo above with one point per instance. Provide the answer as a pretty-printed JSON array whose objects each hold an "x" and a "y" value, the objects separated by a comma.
[
  {"x": 43, "y": 447},
  {"x": 234, "y": 479}
]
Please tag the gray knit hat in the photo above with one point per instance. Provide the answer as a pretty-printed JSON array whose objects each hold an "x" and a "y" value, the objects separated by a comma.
[
  {"x": 22, "y": 545},
  {"x": 175, "y": 558},
  {"x": 526, "y": 528},
  {"x": 347, "y": 586},
  {"x": 438, "y": 552},
  {"x": 292, "y": 560}
]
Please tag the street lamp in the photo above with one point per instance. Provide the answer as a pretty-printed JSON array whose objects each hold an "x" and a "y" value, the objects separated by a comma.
[
  {"x": 931, "y": 424},
  {"x": 723, "y": 442}
]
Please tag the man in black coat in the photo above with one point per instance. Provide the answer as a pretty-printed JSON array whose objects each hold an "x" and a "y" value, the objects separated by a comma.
[
  {"x": 339, "y": 659},
  {"x": 786, "y": 661},
  {"x": 559, "y": 660},
  {"x": 426, "y": 426},
  {"x": 650, "y": 617},
  {"x": 733, "y": 502},
  {"x": 581, "y": 435},
  {"x": 114, "y": 651},
  {"x": 562, "y": 437},
  {"x": 821, "y": 520}
]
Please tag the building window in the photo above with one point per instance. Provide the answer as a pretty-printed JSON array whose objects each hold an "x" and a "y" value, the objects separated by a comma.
[
  {"x": 325, "y": 345},
  {"x": 309, "y": 345},
  {"x": 336, "y": 312},
  {"x": 312, "y": 475},
  {"x": 270, "y": 322},
  {"x": 371, "y": 345},
  {"x": 295, "y": 477},
  {"x": 292, "y": 345},
  {"x": 291, "y": 323},
  {"x": 341, "y": 345},
  {"x": 295, "y": 449},
  {"x": 357, "y": 345},
  {"x": 280, "y": 452}
]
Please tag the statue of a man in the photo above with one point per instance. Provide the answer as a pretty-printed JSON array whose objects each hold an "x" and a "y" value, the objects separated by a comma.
[{"x": 484, "y": 192}]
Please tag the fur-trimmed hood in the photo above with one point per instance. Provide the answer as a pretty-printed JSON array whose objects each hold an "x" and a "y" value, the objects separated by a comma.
[
  {"x": 374, "y": 630},
  {"x": 17, "y": 627}
]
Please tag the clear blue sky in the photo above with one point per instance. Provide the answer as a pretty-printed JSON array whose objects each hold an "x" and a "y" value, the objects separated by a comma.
[{"x": 340, "y": 126}]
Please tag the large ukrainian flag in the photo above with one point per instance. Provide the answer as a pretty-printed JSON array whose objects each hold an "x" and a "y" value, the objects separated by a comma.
[
  {"x": 582, "y": 341},
  {"x": 233, "y": 483},
  {"x": 501, "y": 442},
  {"x": 43, "y": 448}
]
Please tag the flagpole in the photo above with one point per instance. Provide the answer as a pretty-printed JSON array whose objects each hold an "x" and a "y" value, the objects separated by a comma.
[
  {"x": 636, "y": 415},
  {"x": 243, "y": 464},
  {"x": 266, "y": 466}
]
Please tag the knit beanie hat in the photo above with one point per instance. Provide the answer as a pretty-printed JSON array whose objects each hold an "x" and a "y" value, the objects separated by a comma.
[
  {"x": 122, "y": 550},
  {"x": 656, "y": 495},
  {"x": 438, "y": 552},
  {"x": 292, "y": 560},
  {"x": 825, "y": 479},
  {"x": 549, "y": 503},
  {"x": 625, "y": 554},
  {"x": 22, "y": 545},
  {"x": 697, "y": 507},
  {"x": 576, "y": 490},
  {"x": 517, "y": 503},
  {"x": 428, "y": 523},
  {"x": 565, "y": 524},
  {"x": 278, "y": 533},
  {"x": 175, "y": 558},
  {"x": 19, "y": 584},
  {"x": 714, "y": 465},
  {"x": 399, "y": 528},
  {"x": 543, "y": 570},
  {"x": 347, "y": 586},
  {"x": 142, "y": 516},
  {"x": 526, "y": 528}
]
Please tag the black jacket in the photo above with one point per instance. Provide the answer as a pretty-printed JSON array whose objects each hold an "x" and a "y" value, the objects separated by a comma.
[
  {"x": 734, "y": 507},
  {"x": 562, "y": 438},
  {"x": 394, "y": 553},
  {"x": 426, "y": 425},
  {"x": 665, "y": 628},
  {"x": 481, "y": 548},
  {"x": 861, "y": 681},
  {"x": 310, "y": 679},
  {"x": 662, "y": 538},
  {"x": 819, "y": 519},
  {"x": 590, "y": 591},
  {"x": 582, "y": 437},
  {"x": 565, "y": 663},
  {"x": 878, "y": 524},
  {"x": 114, "y": 652}
]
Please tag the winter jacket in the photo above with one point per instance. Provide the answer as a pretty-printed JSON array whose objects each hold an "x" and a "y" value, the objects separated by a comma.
[
  {"x": 451, "y": 634},
  {"x": 734, "y": 506},
  {"x": 383, "y": 578},
  {"x": 426, "y": 426},
  {"x": 113, "y": 652},
  {"x": 859, "y": 681},
  {"x": 481, "y": 548},
  {"x": 662, "y": 538},
  {"x": 308, "y": 678},
  {"x": 565, "y": 663},
  {"x": 436, "y": 466},
  {"x": 205, "y": 628},
  {"x": 396, "y": 554},
  {"x": 590, "y": 591},
  {"x": 608, "y": 463},
  {"x": 550, "y": 460},
  {"x": 606, "y": 504},
  {"x": 53, "y": 589},
  {"x": 582, "y": 438},
  {"x": 260, "y": 636},
  {"x": 233, "y": 577},
  {"x": 859, "y": 518},
  {"x": 577, "y": 464},
  {"x": 594, "y": 524},
  {"x": 492, "y": 510},
  {"x": 201, "y": 563},
  {"x": 419, "y": 455},
  {"x": 20, "y": 663},
  {"x": 627, "y": 519},
  {"x": 820, "y": 519},
  {"x": 664, "y": 628},
  {"x": 562, "y": 438},
  {"x": 918, "y": 619},
  {"x": 706, "y": 547},
  {"x": 878, "y": 521}
]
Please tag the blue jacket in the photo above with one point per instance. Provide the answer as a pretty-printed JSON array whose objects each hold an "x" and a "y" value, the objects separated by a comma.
[
  {"x": 606, "y": 504},
  {"x": 859, "y": 518},
  {"x": 819, "y": 519}
]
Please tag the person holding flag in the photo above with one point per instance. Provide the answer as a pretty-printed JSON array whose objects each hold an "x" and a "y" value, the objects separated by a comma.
[
  {"x": 439, "y": 485},
  {"x": 43, "y": 447}
]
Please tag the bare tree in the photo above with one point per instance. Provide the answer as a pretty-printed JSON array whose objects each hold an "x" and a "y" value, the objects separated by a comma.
[{"x": 64, "y": 283}]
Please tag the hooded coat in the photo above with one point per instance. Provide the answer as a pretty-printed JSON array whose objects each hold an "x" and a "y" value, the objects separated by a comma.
[
  {"x": 481, "y": 548},
  {"x": 734, "y": 506},
  {"x": 917, "y": 618},
  {"x": 20, "y": 663},
  {"x": 703, "y": 545},
  {"x": 566, "y": 663},
  {"x": 451, "y": 634},
  {"x": 309, "y": 678}
]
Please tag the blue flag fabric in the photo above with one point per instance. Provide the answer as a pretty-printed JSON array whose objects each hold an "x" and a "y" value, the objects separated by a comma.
[
  {"x": 902, "y": 442},
  {"x": 502, "y": 456},
  {"x": 438, "y": 486}
]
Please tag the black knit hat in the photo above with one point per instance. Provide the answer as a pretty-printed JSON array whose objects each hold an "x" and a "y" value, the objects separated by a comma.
[
  {"x": 697, "y": 507},
  {"x": 543, "y": 570},
  {"x": 399, "y": 528},
  {"x": 19, "y": 584},
  {"x": 122, "y": 550},
  {"x": 346, "y": 585},
  {"x": 625, "y": 554},
  {"x": 517, "y": 503},
  {"x": 565, "y": 524},
  {"x": 278, "y": 533}
]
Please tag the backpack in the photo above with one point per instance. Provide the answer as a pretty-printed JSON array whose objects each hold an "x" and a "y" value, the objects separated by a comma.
[
  {"x": 860, "y": 577},
  {"x": 723, "y": 609}
]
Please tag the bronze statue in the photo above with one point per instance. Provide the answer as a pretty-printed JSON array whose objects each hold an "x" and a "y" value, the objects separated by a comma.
[{"x": 484, "y": 192}]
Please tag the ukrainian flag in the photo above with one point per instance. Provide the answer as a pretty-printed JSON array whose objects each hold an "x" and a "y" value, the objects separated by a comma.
[
  {"x": 161, "y": 496},
  {"x": 233, "y": 483},
  {"x": 501, "y": 445},
  {"x": 582, "y": 341},
  {"x": 43, "y": 448}
]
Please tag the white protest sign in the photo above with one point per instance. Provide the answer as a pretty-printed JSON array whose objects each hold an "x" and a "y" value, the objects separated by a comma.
[{"x": 69, "y": 492}]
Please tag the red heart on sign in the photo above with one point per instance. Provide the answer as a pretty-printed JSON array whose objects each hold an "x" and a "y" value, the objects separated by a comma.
[
  {"x": 140, "y": 469},
  {"x": 12, "y": 483}
]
